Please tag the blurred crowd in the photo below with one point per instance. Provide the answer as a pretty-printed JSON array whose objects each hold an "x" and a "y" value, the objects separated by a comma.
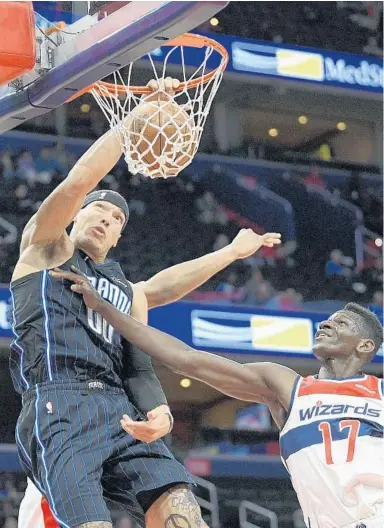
[
  {"x": 270, "y": 279},
  {"x": 355, "y": 27}
]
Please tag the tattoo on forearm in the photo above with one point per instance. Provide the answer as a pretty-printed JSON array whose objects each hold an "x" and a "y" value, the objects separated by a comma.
[
  {"x": 186, "y": 511},
  {"x": 177, "y": 521}
]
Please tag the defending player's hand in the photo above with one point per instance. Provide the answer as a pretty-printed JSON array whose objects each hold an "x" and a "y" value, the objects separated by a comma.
[
  {"x": 248, "y": 242},
  {"x": 159, "y": 424},
  {"x": 81, "y": 285}
]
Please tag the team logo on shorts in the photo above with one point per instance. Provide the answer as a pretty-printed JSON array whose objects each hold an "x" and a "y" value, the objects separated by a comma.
[
  {"x": 49, "y": 407},
  {"x": 95, "y": 385}
]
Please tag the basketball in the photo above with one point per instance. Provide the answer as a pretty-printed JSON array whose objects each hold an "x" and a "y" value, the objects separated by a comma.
[{"x": 162, "y": 136}]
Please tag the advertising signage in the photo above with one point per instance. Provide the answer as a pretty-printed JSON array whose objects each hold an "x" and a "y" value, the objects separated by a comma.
[
  {"x": 241, "y": 329},
  {"x": 225, "y": 329},
  {"x": 318, "y": 67}
]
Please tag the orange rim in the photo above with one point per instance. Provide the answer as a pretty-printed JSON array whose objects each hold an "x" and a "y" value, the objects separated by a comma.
[{"x": 188, "y": 39}]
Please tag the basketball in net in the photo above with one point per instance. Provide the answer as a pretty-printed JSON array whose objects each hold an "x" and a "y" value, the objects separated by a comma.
[
  {"x": 161, "y": 137},
  {"x": 160, "y": 131}
]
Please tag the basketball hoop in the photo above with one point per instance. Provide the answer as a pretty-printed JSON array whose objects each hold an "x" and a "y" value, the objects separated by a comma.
[{"x": 160, "y": 132}]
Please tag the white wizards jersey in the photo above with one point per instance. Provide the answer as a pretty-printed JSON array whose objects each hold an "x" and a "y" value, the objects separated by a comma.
[
  {"x": 332, "y": 446},
  {"x": 34, "y": 511}
]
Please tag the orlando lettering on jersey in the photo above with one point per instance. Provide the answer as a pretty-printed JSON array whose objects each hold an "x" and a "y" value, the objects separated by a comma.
[
  {"x": 57, "y": 337},
  {"x": 337, "y": 409},
  {"x": 115, "y": 296}
]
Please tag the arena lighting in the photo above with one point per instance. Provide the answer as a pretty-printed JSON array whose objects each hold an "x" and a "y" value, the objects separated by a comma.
[
  {"x": 85, "y": 108},
  {"x": 341, "y": 126},
  {"x": 378, "y": 242},
  {"x": 185, "y": 383},
  {"x": 273, "y": 132},
  {"x": 214, "y": 21},
  {"x": 303, "y": 119}
]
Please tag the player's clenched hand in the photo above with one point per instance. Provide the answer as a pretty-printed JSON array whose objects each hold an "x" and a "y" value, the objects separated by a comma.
[
  {"x": 248, "y": 242},
  {"x": 159, "y": 424},
  {"x": 162, "y": 89},
  {"x": 81, "y": 285}
]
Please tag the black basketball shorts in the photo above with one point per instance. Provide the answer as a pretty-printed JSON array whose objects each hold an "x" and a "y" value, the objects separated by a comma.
[{"x": 71, "y": 444}]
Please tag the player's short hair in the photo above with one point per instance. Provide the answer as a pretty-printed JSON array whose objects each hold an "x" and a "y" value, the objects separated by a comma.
[{"x": 369, "y": 324}]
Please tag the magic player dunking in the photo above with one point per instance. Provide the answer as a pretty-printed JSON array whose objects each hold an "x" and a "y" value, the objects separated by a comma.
[{"x": 69, "y": 363}]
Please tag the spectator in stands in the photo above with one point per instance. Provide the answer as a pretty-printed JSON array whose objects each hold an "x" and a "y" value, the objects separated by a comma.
[
  {"x": 372, "y": 48},
  {"x": 314, "y": 178},
  {"x": 25, "y": 166},
  {"x": 48, "y": 163},
  {"x": 221, "y": 241},
  {"x": 25, "y": 199},
  {"x": 258, "y": 293},
  {"x": 376, "y": 273},
  {"x": 281, "y": 256},
  {"x": 334, "y": 266},
  {"x": 228, "y": 289},
  {"x": 210, "y": 211},
  {"x": 7, "y": 164},
  {"x": 356, "y": 193},
  {"x": 289, "y": 299}
]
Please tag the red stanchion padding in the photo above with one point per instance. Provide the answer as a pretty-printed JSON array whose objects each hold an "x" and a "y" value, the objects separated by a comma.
[{"x": 17, "y": 40}]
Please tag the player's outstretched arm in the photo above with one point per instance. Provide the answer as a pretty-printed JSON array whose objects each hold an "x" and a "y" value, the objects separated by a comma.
[
  {"x": 173, "y": 283},
  {"x": 261, "y": 382},
  {"x": 59, "y": 209}
]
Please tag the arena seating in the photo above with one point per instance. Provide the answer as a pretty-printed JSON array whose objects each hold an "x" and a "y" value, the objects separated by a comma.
[
  {"x": 326, "y": 25},
  {"x": 159, "y": 211}
]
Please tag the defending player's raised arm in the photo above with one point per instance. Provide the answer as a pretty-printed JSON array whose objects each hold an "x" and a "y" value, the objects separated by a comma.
[{"x": 260, "y": 382}]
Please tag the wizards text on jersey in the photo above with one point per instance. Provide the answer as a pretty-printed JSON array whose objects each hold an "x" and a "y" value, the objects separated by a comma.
[{"x": 338, "y": 409}]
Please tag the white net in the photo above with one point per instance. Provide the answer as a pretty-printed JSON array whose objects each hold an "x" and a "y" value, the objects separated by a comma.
[{"x": 160, "y": 132}]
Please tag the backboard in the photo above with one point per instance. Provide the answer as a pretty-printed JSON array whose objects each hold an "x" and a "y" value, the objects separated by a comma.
[{"x": 98, "y": 39}]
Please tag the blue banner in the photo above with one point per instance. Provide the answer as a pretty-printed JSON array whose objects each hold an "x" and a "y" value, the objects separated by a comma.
[
  {"x": 241, "y": 329},
  {"x": 5, "y": 312},
  {"x": 283, "y": 61},
  {"x": 224, "y": 328}
]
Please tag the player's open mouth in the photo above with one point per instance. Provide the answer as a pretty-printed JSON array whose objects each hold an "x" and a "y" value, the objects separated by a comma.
[
  {"x": 321, "y": 333},
  {"x": 99, "y": 230}
]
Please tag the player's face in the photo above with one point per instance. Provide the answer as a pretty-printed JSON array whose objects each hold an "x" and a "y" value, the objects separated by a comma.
[
  {"x": 338, "y": 336},
  {"x": 100, "y": 224}
]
